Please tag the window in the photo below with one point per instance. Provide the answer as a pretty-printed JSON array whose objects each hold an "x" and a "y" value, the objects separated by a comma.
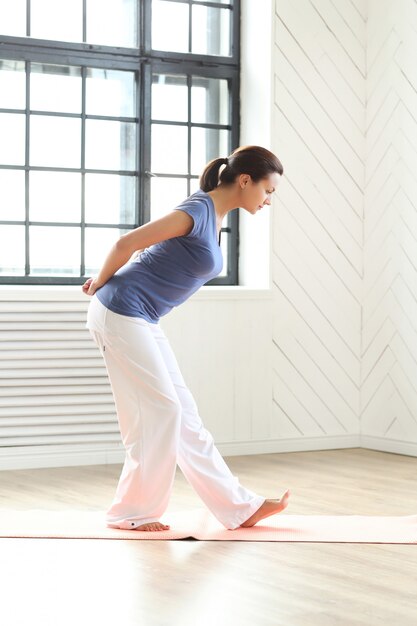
[{"x": 109, "y": 110}]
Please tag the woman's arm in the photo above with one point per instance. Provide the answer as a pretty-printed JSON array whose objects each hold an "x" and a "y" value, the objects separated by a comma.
[{"x": 175, "y": 224}]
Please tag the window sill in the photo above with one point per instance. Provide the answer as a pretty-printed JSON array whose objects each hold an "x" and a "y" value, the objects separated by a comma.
[{"x": 74, "y": 293}]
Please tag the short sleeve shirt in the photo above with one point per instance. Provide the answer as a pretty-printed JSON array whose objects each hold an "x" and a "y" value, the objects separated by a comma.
[{"x": 169, "y": 272}]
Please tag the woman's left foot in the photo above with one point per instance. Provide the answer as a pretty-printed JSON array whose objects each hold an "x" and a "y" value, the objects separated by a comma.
[
  {"x": 269, "y": 507},
  {"x": 152, "y": 527}
]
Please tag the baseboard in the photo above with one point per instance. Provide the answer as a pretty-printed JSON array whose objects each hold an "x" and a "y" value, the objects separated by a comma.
[
  {"x": 389, "y": 445},
  {"x": 271, "y": 446},
  {"x": 57, "y": 457}
]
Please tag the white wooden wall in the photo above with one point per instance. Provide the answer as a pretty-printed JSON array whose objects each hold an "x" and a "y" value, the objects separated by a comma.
[
  {"x": 317, "y": 270},
  {"x": 389, "y": 362}
]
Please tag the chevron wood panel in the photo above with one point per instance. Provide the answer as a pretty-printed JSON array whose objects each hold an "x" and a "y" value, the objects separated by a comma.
[
  {"x": 317, "y": 265},
  {"x": 389, "y": 358}
]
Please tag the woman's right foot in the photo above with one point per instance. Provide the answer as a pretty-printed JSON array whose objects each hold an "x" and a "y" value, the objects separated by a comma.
[{"x": 269, "y": 507}]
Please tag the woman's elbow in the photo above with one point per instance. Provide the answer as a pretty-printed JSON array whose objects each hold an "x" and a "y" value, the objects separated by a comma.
[{"x": 123, "y": 247}]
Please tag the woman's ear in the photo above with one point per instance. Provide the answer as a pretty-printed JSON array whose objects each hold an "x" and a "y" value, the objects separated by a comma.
[{"x": 243, "y": 180}]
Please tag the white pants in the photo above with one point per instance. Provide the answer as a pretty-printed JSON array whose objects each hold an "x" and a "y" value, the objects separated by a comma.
[{"x": 160, "y": 427}]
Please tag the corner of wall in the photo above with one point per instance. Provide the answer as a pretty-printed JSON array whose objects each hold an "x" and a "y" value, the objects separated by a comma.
[{"x": 256, "y": 114}]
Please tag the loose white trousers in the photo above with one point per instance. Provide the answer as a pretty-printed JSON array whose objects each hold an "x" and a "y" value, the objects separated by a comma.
[{"x": 160, "y": 427}]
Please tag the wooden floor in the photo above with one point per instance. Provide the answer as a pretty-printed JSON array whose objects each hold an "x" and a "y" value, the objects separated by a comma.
[{"x": 57, "y": 582}]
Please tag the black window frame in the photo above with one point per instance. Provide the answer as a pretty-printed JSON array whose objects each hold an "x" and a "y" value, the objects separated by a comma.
[{"x": 145, "y": 62}]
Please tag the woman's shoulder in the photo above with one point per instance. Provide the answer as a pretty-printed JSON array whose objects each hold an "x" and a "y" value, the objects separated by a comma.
[
  {"x": 198, "y": 206},
  {"x": 198, "y": 198}
]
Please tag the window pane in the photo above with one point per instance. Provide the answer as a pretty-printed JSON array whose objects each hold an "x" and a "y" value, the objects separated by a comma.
[
  {"x": 170, "y": 26},
  {"x": 54, "y": 197},
  {"x": 110, "y": 92},
  {"x": 55, "y": 141},
  {"x": 55, "y": 251},
  {"x": 12, "y": 84},
  {"x": 209, "y": 101},
  {"x": 215, "y": 1},
  {"x": 207, "y": 144},
  {"x": 194, "y": 184},
  {"x": 55, "y": 88},
  {"x": 166, "y": 194},
  {"x": 169, "y": 98},
  {"x": 98, "y": 242},
  {"x": 112, "y": 22},
  {"x": 12, "y": 250},
  {"x": 62, "y": 21},
  {"x": 13, "y": 22},
  {"x": 12, "y": 195},
  {"x": 12, "y": 142},
  {"x": 169, "y": 149},
  {"x": 110, "y": 145},
  {"x": 211, "y": 31},
  {"x": 224, "y": 245},
  {"x": 110, "y": 199}
]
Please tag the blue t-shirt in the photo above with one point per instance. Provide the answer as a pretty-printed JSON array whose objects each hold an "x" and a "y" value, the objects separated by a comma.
[{"x": 169, "y": 272}]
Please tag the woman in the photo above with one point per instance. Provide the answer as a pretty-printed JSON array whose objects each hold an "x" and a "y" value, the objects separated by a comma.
[{"x": 158, "y": 418}]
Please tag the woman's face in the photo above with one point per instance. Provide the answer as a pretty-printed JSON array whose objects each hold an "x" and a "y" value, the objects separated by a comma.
[{"x": 257, "y": 195}]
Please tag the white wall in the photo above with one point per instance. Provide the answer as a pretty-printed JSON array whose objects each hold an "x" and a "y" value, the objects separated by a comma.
[
  {"x": 222, "y": 342},
  {"x": 256, "y": 119},
  {"x": 389, "y": 361},
  {"x": 318, "y": 349},
  {"x": 318, "y": 128}
]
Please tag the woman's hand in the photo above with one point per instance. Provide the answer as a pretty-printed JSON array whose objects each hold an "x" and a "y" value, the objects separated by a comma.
[
  {"x": 135, "y": 255},
  {"x": 90, "y": 286}
]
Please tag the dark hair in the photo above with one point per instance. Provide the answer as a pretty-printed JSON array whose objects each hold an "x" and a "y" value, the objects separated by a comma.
[{"x": 256, "y": 161}]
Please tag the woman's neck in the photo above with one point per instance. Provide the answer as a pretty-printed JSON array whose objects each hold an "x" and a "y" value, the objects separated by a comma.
[{"x": 225, "y": 199}]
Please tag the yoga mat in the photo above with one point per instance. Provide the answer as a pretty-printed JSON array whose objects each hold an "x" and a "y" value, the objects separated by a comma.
[{"x": 201, "y": 524}]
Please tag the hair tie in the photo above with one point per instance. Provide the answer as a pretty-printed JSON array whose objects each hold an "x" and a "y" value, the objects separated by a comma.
[{"x": 226, "y": 161}]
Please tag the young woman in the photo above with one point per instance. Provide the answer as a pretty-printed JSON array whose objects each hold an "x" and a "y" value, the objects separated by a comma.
[{"x": 158, "y": 418}]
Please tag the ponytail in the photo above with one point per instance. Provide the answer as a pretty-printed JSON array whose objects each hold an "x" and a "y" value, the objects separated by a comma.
[
  {"x": 256, "y": 161},
  {"x": 209, "y": 179}
]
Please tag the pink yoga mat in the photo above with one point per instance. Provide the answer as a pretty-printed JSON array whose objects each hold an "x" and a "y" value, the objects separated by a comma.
[{"x": 200, "y": 524}]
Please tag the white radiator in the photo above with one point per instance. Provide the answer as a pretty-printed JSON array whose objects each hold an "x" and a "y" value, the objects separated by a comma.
[{"x": 56, "y": 406}]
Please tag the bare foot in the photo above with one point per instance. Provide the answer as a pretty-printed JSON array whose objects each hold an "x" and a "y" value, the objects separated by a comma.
[
  {"x": 269, "y": 507},
  {"x": 153, "y": 526}
]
